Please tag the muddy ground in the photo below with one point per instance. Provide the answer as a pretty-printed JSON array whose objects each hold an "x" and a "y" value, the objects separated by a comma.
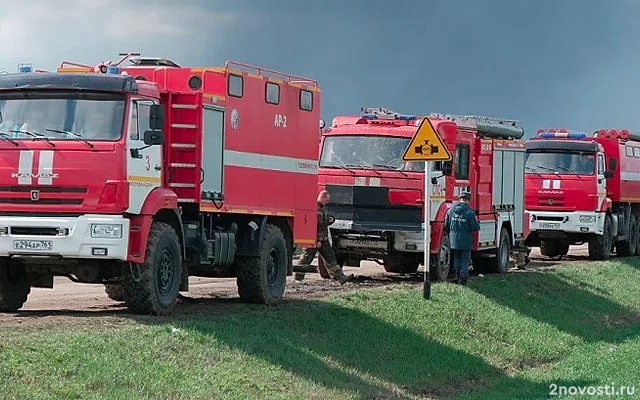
[{"x": 88, "y": 305}]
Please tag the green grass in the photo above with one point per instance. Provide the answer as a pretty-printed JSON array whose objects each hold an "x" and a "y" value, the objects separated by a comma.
[{"x": 498, "y": 338}]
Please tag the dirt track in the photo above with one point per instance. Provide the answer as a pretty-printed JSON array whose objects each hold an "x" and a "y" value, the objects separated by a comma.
[{"x": 68, "y": 300}]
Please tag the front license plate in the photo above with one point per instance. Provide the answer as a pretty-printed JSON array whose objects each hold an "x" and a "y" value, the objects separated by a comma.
[
  {"x": 43, "y": 245},
  {"x": 366, "y": 243},
  {"x": 549, "y": 225}
]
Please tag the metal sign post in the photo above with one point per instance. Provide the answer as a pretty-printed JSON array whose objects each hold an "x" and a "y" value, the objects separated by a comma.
[
  {"x": 426, "y": 145},
  {"x": 426, "y": 287}
]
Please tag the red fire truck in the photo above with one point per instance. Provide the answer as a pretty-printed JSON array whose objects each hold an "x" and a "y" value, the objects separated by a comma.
[
  {"x": 584, "y": 188},
  {"x": 138, "y": 176},
  {"x": 376, "y": 198}
]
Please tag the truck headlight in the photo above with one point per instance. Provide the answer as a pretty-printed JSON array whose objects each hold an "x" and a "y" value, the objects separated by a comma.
[
  {"x": 106, "y": 231},
  {"x": 587, "y": 219}
]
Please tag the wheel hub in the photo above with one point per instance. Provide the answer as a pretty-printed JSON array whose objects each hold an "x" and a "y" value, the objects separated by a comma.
[
  {"x": 165, "y": 275},
  {"x": 273, "y": 267}
]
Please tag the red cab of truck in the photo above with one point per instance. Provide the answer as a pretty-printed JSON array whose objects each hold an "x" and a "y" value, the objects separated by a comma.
[
  {"x": 139, "y": 175},
  {"x": 377, "y": 198},
  {"x": 584, "y": 188}
]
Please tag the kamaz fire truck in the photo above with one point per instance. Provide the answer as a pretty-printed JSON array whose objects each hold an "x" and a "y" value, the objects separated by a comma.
[
  {"x": 138, "y": 176},
  {"x": 584, "y": 188},
  {"x": 377, "y": 199}
]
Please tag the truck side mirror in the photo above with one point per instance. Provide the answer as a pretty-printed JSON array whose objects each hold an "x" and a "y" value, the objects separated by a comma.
[
  {"x": 447, "y": 168},
  {"x": 613, "y": 164},
  {"x": 608, "y": 174},
  {"x": 153, "y": 138},
  {"x": 156, "y": 117}
]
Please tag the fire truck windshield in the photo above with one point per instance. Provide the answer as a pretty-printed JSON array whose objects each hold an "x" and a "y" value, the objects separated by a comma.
[
  {"x": 366, "y": 151},
  {"x": 561, "y": 163},
  {"x": 62, "y": 115}
]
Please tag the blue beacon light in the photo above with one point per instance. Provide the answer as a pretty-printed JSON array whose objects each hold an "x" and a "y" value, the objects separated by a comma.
[
  {"x": 572, "y": 135},
  {"x": 112, "y": 69},
  {"x": 24, "y": 68}
]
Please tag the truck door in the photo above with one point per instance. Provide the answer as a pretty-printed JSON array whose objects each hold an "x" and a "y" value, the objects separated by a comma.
[
  {"x": 601, "y": 181},
  {"x": 144, "y": 167},
  {"x": 437, "y": 184}
]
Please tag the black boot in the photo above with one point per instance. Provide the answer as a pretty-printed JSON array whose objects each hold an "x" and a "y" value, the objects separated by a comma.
[{"x": 342, "y": 278}]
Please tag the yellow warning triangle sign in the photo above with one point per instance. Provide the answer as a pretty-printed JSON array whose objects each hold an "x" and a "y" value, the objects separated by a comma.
[{"x": 426, "y": 145}]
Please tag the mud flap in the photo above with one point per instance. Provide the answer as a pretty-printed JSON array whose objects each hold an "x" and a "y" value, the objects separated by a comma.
[{"x": 250, "y": 238}]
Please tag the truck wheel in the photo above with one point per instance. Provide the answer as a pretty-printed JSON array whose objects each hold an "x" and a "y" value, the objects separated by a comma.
[
  {"x": 550, "y": 248},
  {"x": 626, "y": 248},
  {"x": 14, "y": 285},
  {"x": 636, "y": 217},
  {"x": 262, "y": 279},
  {"x": 441, "y": 264},
  {"x": 114, "y": 291},
  {"x": 152, "y": 287},
  {"x": 322, "y": 268},
  {"x": 600, "y": 245},
  {"x": 500, "y": 263}
]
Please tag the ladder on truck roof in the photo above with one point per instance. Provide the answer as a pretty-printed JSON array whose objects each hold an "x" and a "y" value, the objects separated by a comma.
[
  {"x": 274, "y": 74},
  {"x": 183, "y": 153}
]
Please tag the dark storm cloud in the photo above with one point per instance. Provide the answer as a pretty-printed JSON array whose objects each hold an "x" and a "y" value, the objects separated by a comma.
[{"x": 569, "y": 63}]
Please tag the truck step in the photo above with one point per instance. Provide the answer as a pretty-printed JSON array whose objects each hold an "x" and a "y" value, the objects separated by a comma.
[
  {"x": 186, "y": 200},
  {"x": 183, "y": 146},
  {"x": 184, "y": 126},
  {"x": 185, "y": 106},
  {"x": 182, "y": 185}
]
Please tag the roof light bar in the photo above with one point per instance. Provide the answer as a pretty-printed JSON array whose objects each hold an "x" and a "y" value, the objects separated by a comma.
[{"x": 563, "y": 135}]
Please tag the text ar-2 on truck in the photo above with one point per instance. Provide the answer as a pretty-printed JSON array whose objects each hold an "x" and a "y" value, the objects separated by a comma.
[
  {"x": 140, "y": 176},
  {"x": 377, "y": 198},
  {"x": 584, "y": 188}
]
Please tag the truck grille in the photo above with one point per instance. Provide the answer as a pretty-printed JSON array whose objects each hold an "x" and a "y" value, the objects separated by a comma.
[
  {"x": 551, "y": 201},
  {"x": 369, "y": 207},
  {"x": 46, "y": 195},
  {"x": 35, "y": 231}
]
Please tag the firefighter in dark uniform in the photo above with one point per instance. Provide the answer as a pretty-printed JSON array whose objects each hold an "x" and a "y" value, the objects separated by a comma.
[{"x": 323, "y": 246}]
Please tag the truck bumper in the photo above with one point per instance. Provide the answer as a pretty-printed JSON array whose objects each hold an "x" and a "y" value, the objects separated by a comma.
[
  {"x": 369, "y": 239},
  {"x": 583, "y": 222},
  {"x": 87, "y": 236}
]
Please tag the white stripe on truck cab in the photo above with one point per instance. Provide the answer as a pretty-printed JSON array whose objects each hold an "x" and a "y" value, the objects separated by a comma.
[{"x": 26, "y": 173}]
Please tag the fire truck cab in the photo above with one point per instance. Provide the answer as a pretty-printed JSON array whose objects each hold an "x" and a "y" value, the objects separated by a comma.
[
  {"x": 138, "y": 176},
  {"x": 377, "y": 198},
  {"x": 584, "y": 188}
]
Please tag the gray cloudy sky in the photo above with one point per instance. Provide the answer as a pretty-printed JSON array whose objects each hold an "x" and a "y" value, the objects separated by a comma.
[{"x": 561, "y": 63}]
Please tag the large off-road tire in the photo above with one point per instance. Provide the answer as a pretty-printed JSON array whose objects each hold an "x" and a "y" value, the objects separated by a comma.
[
  {"x": 152, "y": 287},
  {"x": 401, "y": 265},
  {"x": 114, "y": 291},
  {"x": 600, "y": 245},
  {"x": 500, "y": 263},
  {"x": 322, "y": 268},
  {"x": 553, "y": 248},
  {"x": 441, "y": 262},
  {"x": 636, "y": 217},
  {"x": 262, "y": 279},
  {"x": 14, "y": 285},
  {"x": 627, "y": 247}
]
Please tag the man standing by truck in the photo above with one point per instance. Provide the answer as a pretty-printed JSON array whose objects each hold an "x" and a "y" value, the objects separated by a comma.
[
  {"x": 322, "y": 246},
  {"x": 459, "y": 224}
]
